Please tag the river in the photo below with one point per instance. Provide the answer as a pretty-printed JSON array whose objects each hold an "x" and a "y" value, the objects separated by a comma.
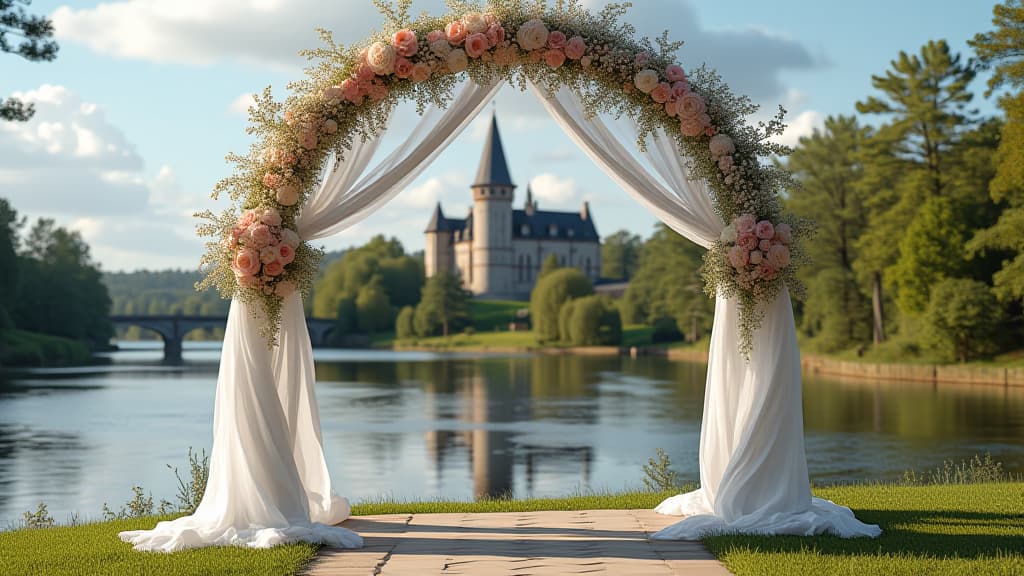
[{"x": 415, "y": 425}]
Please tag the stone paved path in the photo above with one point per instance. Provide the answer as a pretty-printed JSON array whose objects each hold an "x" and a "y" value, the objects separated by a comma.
[{"x": 593, "y": 542}]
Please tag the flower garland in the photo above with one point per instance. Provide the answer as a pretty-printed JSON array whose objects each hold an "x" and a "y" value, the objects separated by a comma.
[{"x": 350, "y": 92}]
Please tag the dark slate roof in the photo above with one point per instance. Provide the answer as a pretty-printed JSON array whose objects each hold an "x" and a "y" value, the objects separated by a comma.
[
  {"x": 493, "y": 169},
  {"x": 540, "y": 221},
  {"x": 438, "y": 222}
]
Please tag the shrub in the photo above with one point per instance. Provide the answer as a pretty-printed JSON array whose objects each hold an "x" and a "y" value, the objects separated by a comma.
[
  {"x": 962, "y": 315},
  {"x": 404, "y": 326},
  {"x": 658, "y": 473},
  {"x": 590, "y": 321},
  {"x": 548, "y": 296},
  {"x": 666, "y": 330}
]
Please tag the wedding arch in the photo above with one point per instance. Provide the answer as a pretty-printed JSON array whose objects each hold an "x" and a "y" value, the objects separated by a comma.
[{"x": 308, "y": 176}]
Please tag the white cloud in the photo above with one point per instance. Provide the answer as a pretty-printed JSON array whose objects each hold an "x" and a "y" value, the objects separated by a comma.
[
  {"x": 240, "y": 105},
  {"x": 803, "y": 125},
  {"x": 553, "y": 191}
]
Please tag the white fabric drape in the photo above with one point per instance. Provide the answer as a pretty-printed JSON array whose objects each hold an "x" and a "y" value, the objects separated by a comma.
[
  {"x": 753, "y": 469},
  {"x": 269, "y": 481}
]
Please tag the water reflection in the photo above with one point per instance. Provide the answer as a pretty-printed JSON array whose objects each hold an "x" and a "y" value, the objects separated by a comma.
[{"x": 422, "y": 425}]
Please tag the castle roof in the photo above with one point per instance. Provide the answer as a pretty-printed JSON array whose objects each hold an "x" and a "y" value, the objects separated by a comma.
[
  {"x": 493, "y": 169},
  {"x": 439, "y": 223},
  {"x": 540, "y": 224}
]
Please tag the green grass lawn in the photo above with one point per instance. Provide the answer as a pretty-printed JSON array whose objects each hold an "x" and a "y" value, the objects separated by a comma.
[
  {"x": 975, "y": 529},
  {"x": 489, "y": 315}
]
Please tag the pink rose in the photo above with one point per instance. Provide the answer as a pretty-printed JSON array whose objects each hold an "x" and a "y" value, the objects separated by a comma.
[
  {"x": 661, "y": 93},
  {"x": 274, "y": 268},
  {"x": 675, "y": 73},
  {"x": 557, "y": 40},
  {"x": 284, "y": 288},
  {"x": 691, "y": 125},
  {"x": 268, "y": 255},
  {"x": 247, "y": 219},
  {"x": 554, "y": 58},
  {"x": 747, "y": 241},
  {"x": 679, "y": 89},
  {"x": 721, "y": 144},
  {"x": 738, "y": 257},
  {"x": 691, "y": 104},
  {"x": 455, "y": 32},
  {"x": 364, "y": 72},
  {"x": 271, "y": 217},
  {"x": 405, "y": 42},
  {"x": 271, "y": 180},
  {"x": 784, "y": 232},
  {"x": 377, "y": 91},
  {"x": 246, "y": 262},
  {"x": 285, "y": 253},
  {"x": 287, "y": 195},
  {"x": 350, "y": 90},
  {"x": 495, "y": 34},
  {"x": 308, "y": 139},
  {"x": 745, "y": 223},
  {"x": 764, "y": 245},
  {"x": 778, "y": 256},
  {"x": 403, "y": 68},
  {"x": 435, "y": 35},
  {"x": 420, "y": 72},
  {"x": 765, "y": 230},
  {"x": 672, "y": 108},
  {"x": 476, "y": 45},
  {"x": 259, "y": 234},
  {"x": 575, "y": 48}
]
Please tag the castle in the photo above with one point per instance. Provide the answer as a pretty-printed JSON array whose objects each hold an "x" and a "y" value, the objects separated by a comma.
[{"x": 497, "y": 250}]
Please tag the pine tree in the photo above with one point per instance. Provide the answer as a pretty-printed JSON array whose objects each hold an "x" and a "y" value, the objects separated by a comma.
[
  {"x": 444, "y": 305},
  {"x": 35, "y": 45}
]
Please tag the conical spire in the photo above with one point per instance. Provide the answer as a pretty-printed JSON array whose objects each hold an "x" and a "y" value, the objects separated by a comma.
[
  {"x": 438, "y": 223},
  {"x": 493, "y": 169}
]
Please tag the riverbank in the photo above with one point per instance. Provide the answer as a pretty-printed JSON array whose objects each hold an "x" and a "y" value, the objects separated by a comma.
[
  {"x": 936, "y": 529},
  {"x": 21, "y": 349}
]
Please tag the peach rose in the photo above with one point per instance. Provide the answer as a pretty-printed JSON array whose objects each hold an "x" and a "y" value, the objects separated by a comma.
[
  {"x": 691, "y": 104},
  {"x": 285, "y": 254},
  {"x": 259, "y": 235},
  {"x": 646, "y": 80},
  {"x": 435, "y": 35},
  {"x": 247, "y": 281},
  {"x": 495, "y": 34},
  {"x": 476, "y": 44},
  {"x": 557, "y": 40},
  {"x": 377, "y": 91},
  {"x": 768, "y": 272},
  {"x": 271, "y": 217},
  {"x": 554, "y": 58},
  {"x": 679, "y": 89},
  {"x": 290, "y": 238},
  {"x": 333, "y": 95},
  {"x": 381, "y": 58},
  {"x": 457, "y": 60},
  {"x": 405, "y": 42},
  {"x": 672, "y": 108},
  {"x": 364, "y": 73},
  {"x": 308, "y": 139},
  {"x": 350, "y": 89},
  {"x": 420, "y": 72},
  {"x": 271, "y": 180},
  {"x": 575, "y": 48},
  {"x": 287, "y": 195},
  {"x": 784, "y": 232},
  {"x": 691, "y": 125},
  {"x": 274, "y": 268},
  {"x": 738, "y": 257},
  {"x": 674, "y": 73},
  {"x": 285, "y": 288},
  {"x": 661, "y": 93},
  {"x": 247, "y": 219},
  {"x": 246, "y": 262},
  {"x": 455, "y": 32},
  {"x": 764, "y": 230},
  {"x": 778, "y": 256},
  {"x": 490, "y": 18},
  {"x": 403, "y": 68}
]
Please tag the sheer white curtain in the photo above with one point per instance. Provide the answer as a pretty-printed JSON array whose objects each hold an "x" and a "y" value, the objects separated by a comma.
[
  {"x": 269, "y": 481},
  {"x": 753, "y": 470}
]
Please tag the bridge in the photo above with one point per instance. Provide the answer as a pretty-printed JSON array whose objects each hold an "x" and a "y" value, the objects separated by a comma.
[{"x": 172, "y": 329}]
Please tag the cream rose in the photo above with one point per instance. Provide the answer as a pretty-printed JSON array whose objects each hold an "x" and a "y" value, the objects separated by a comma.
[
  {"x": 268, "y": 255},
  {"x": 645, "y": 80},
  {"x": 330, "y": 126},
  {"x": 475, "y": 23},
  {"x": 721, "y": 145},
  {"x": 271, "y": 217},
  {"x": 457, "y": 60},
  {"x": 420, "y": 72},
  {"x": 440, "y": 48},
  {"x": 532, "y": 35},
  {"x": 284, "y": 288},
  {"x": 728, "y": 234},
  {"x": 287, "y": 195},
  {"x": 290, "y": 238},
  {"x": 778, "y": 256},
  {"x": 381, "y": 58}
]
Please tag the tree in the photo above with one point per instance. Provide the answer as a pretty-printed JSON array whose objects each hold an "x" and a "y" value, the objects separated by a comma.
[
  {"x": 9, "y": 226},
  {"x": 35, "y": 44},
  {"x": 548, "y": 296},
  {"x": 1000, "y": 50},
  {"x": 550, "y": 265},
  {"x": 829, "y": 167},
  {"x": 963, "y": 316},
  {"x": 590, "y": 321},
  {"x": 380, "y": 260},
  {"x": 444, "y": 306},
  {"x": 620, "y": 254},
  {"x": 930, "y": 250},
  {"x": 373, "y": 310},
  {"x": 404, "y": 325}
]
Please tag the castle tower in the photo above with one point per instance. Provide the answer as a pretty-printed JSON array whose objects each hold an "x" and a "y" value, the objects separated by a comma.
[
  {"x": 438, "y": 253},
  {"x": 493, "y": 191}
]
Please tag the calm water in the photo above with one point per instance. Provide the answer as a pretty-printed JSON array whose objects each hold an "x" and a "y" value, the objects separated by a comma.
[{"x": 420, "y": 425}]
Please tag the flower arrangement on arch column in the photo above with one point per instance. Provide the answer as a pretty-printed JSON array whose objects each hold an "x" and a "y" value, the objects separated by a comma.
[{"x": 349, "y": 93}]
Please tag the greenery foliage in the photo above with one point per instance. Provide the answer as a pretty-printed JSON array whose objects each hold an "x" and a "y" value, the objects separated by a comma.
[
  {"x": 444, "y": 306},
  {"x": 620, "y": 254},
  {"x": 590, "y": 321},
  {"x": 658, "y": 473},
  {"x": 963, "y": 319},
  {"x": 548, "y": 296},
  {"x": 33, "y": 42}
]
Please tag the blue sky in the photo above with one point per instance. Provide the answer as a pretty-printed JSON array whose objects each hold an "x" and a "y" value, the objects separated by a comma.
[{"x": 147, "y": 96}]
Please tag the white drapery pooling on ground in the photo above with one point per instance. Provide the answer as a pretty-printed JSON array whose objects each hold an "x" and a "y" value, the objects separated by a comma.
[{"x": 269, "y": 481}]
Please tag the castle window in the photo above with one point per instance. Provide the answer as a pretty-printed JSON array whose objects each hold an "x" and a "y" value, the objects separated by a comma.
[
  {"x": 524, "y": 229},
  {"x": 571, "y": 232},
  {"x": 553, "y": 230}
]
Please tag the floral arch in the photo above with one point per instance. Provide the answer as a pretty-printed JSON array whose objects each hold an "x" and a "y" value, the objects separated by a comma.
[{"x": 307, "y": 177}]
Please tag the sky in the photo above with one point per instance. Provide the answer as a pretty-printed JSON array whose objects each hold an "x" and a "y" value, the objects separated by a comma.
[{"x": 146, "y": 97}]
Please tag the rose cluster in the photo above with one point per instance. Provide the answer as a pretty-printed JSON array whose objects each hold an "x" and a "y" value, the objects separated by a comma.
[
  {"x": 262, "y": 249},
  {"x": 757, "y": 250}
]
